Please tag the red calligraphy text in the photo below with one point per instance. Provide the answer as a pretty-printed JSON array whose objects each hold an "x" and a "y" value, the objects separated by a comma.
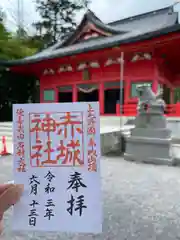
[
  {"x": 72, "y": 122},
  {"x": 49, "y": 129},
  {"x": 92, "y": 154},
  {"x": 48, "y": 124},
  {"x": 20, "y": 149},
  {"x": 49, "y": 150},
  {"x": 37, "y": 128},
  {"x": 70, "y": 154},
  {"x": 37, "y": 155},
  {"x": 20, "y": 123},
  {"x": 37, "y": 147},
  {"x": 91, "y": 121},
  {"x": 21, "y": 165}
]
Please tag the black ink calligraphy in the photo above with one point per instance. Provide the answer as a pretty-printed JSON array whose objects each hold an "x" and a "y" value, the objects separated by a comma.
[
  {"x": 49, "y": 189},
  {"x": 77, "y": 205},
  {"x": 34, "y": 184},
  {"x": 75, "y": 181},
  {"x": 49, "y": 212},
  {"x": 33, "y": 213},
  {"x": 49, "y": 176}
]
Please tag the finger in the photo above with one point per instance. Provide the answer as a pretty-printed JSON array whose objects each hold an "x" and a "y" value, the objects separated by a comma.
[
  {"x": 1, "y": 227},
  {"x": 4, "y": 187},
  {"x": 10, "y": 196}
]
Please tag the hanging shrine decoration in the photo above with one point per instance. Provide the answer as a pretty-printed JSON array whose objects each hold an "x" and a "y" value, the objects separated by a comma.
[
  {"x": 68, "y": 68},
  {"x": 111, "y": 61},
  {"x": 141, "y": 56},
  {"x": 87, "y": 88},
  {"x": 82, "y": 66},
  {"x": 48, "y": 71},
  {"x": 65, "y": 68},
  {"x": 85, "y": 65}
]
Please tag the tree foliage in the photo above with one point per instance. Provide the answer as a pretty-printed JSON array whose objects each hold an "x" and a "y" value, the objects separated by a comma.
[
  {"x": 58, "y": 17},
  {"x": 11, "y": 46},
  {"x": 14, "y": 88}
]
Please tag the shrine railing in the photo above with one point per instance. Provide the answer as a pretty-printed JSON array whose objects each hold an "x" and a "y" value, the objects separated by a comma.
[{"x": 172, "y": 110}]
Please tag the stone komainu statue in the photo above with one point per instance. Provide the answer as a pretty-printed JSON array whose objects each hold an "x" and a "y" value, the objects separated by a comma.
[
  {"x": 150, "y": 140},
  {"x": 148, "y": 99}
]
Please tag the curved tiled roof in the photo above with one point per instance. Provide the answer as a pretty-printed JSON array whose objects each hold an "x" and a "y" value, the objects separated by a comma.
[
  {"x": 90, "y": 17},
  {"x": 138, "y": 28},
  {"x": 150, "y": 21}
]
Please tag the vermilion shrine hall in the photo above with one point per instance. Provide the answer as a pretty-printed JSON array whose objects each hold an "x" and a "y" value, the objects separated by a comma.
[{"x": 86, "y": 64}]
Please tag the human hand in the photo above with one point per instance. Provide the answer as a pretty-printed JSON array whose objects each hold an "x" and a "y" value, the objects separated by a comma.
[{"x": 9, "y": 195}]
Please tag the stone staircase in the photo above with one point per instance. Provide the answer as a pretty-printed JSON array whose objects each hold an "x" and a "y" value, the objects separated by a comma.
[
  {"x": 110, "y": 133},
  {"x": 6, "y": 130},
  {"x": 110, "y": 130}
]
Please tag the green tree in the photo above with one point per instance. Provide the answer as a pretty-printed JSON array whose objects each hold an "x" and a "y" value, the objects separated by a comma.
[
  {"x": 14, "y": 88},
  {"x": 57, "y": 17},
  {"x": 34, "y": 42},
  {"x": 11, "y": 46}
]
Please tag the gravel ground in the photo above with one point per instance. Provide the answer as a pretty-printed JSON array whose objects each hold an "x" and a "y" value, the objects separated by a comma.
[{"x": 140, "y": 202}]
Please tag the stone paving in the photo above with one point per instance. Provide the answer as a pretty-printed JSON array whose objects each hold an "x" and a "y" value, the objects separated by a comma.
[{"x": 141, "y": 202}]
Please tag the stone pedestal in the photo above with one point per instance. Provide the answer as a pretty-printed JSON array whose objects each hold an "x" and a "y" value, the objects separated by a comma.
[{"x": 150, "y": 140}]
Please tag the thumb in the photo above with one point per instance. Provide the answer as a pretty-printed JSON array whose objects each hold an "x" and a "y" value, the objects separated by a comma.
[
  {"x": 10, "y": 196},
  {"x": 4, "y": 187}
]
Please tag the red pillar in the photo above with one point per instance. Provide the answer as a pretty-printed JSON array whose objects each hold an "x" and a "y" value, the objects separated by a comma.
[
  {"x": 156, "y": 79},
  {"x": 101, "y": 97},
  {"x": 41, "y": 89},
  {"x": 155, "y": 86},
  {"x": 74, "y": 91},
  {"x": 127, "y": 90},
  {"x": 172, "y": 95},
  {"x": 56, "y": 94},
  {"x": 41, "y": 95}
]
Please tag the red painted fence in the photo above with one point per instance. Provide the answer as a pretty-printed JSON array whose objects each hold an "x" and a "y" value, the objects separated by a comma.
[{"x": 172, "y": 110}]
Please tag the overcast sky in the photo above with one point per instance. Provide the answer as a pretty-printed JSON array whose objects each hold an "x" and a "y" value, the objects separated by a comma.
[{"x": 106, "y": 10}]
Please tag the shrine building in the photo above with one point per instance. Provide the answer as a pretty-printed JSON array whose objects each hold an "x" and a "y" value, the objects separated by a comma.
[{"x": 86, "y": 64}]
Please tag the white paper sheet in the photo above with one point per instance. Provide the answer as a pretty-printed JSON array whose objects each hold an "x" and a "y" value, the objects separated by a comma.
[{"x": 59, "y": 165}]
